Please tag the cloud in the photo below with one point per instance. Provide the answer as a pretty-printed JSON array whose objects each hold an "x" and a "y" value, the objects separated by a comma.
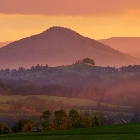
[{"x": 68, "y": 7}]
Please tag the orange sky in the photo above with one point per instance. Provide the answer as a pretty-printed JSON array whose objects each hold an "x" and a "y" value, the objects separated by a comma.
[{"x": 96, "y": 19}]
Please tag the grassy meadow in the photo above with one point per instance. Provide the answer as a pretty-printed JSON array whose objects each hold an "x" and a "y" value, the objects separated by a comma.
[
  {"x": 79, "y": 66},
  {"x": 112, "y": 132},
  {"x": 71, "y": 101}
]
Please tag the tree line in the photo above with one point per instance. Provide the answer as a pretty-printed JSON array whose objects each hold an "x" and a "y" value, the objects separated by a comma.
[
  {"x": 62, "y": 119},
  {"x": 99, "y": 94},
  {"x": 86, "y": 60},
  {"x": 59, "y": 120}
]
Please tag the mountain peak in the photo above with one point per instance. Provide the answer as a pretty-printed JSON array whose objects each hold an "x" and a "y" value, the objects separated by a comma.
[
  {"x": 60, "y": 46},
  {"x": 60, "y": 30}
]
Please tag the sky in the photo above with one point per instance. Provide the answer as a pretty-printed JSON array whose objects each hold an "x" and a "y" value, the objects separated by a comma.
[{"x": 96, "y": 19}]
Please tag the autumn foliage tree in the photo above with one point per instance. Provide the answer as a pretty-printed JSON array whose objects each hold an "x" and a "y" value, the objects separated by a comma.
[
  {"x": 73, "y": 117},
  {"x": 97, "y": 121},
  {"x": 61, "y": 119},
  {"x": 136, "y": 111},
  {"x": 4, "y": 129},
  {"x": 27, "y": 127},
  {"x": 46, "y": 124},
  {"x": 23, "y": 125},
  {"x": 83, "y": 122}
]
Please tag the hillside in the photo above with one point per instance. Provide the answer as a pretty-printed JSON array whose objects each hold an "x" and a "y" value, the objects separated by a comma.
[
  {"x": 80, "y": 67},
  {"x": 128, "y": 45},
  {"x": 74, "y": 75},
  {"x": 60, "y": 46}
]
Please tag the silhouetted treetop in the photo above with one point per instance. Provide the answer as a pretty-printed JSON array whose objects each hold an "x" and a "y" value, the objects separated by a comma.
[{"x": 86, "y": 60}]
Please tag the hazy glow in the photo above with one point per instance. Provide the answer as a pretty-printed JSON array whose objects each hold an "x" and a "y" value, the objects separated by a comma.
[
  {"x": 13, "y": 27},
  {"x": 96, "y": 19}
]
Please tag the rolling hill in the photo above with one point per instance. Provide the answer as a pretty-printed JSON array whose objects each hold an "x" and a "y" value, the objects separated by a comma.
[
  {"x": 60, "y": 46},
  {"x": 128, "y": 45}
]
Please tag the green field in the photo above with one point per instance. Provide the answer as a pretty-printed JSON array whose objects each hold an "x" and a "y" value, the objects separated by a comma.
[{"x": 113, "y": 132}]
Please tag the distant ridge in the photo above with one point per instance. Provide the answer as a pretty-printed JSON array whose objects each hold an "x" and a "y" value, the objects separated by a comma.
[
  {"x": 60, "y": 46},
  {"x": 128, "y": 45}
]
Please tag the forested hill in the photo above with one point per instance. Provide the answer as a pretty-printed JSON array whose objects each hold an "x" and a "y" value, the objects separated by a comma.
[{"x": 77, "y": 75}]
